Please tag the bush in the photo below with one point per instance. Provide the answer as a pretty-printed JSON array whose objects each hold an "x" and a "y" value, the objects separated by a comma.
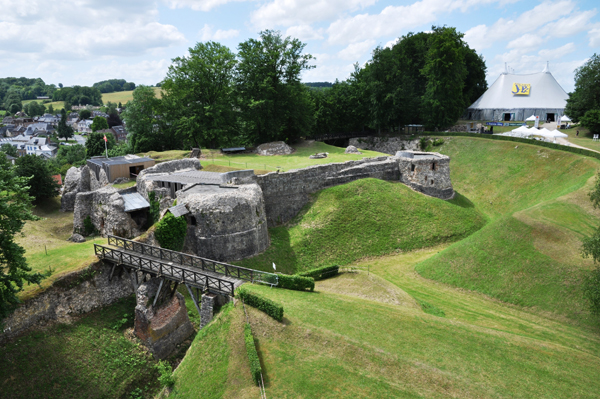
[
  {"x": 296, "y": 282},
  {"x": 154, "y": 211},
  {"x": 88, "y": 226},
  {"x": 165, "y": 378},
  {"x": 255, "y": 368},
  {"x": 591, "y": 290},
  {"x": 171, "y": 231},
  {"x": 321, "y": 273},
  {"x": 271, "y": 308}
]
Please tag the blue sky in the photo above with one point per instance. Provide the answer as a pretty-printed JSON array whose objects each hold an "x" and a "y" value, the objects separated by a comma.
[{"x": 85, "y": 41}]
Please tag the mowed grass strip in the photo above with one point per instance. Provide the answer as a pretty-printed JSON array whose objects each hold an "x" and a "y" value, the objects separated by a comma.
[
  {"x": 90, "y": 358},
  {"x": 367, "y": 217}
]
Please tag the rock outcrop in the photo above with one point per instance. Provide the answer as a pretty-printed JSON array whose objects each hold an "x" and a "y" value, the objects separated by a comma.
[
  {"x": 274, "y": 148},
  {"x": 70, "y": 189},
  {"x": 352, "y": 150}
]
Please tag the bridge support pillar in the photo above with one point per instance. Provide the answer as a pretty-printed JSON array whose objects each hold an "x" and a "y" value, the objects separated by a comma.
[
  {"x": 209, "y": 302},
  {"x": 161, "y": 328}
]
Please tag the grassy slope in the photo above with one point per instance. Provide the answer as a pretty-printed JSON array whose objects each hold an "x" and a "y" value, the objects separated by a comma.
[
  {"x": 124, "y": 96},
  {"x": 367, "y": 217},
  {"x": 90, "y": 358},
  {"x": 529, "y": 254}
]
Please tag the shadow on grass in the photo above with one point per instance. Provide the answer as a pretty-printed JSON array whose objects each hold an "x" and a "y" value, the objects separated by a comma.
[{"x": 461, "y": 200}]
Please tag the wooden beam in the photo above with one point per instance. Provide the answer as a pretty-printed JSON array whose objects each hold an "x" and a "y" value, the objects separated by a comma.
[
  {"x": 162, "y": 280},
  {"x": 112, "y": 271},
  {"x": 195, "y": 300}
]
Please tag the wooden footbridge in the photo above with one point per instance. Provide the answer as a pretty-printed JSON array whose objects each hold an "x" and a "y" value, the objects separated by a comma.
[{"x": 195, "y": 272}]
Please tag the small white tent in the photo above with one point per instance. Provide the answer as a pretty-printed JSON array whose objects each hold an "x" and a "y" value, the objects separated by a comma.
[
  {"x": 530, "y": 119},
  {"x": 565, "y": 118}
]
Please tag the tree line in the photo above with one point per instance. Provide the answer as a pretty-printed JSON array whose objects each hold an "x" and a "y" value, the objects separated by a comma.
[
  {"x": 215, "y": 98},
  {"x": 113, "y": 85}
]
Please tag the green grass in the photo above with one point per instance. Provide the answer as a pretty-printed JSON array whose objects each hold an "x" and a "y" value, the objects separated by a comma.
[
  {"x": 47, "y": 248},
  {"x": 367, "y": 217},
  {"x": 124, "y": 96},
  {"x": 90, "y": 358},
  {"x": 56, "y": 105}
]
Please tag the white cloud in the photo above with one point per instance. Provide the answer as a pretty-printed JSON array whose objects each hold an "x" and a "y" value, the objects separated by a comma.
[
  {"x": 570, "y": 24},
  {"x": 197, "y": 5},
  {"x": 304, "y": 32},
  {"x": 206, "y": 33},
  {"x": 357, "y": 51},
  {"x": 594, "y": 35},
  {"x": 71, "y": 30},
  {"x": 302, "y": 12},
  {"x": 144, "y": 72},
  {"x": 391, "y": 43},
  {"x": 526, "y": 43},
  {"x": 557, "y": 52}
]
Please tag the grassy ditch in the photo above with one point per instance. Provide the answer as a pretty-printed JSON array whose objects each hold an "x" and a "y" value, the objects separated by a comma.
[
  {"x": 367, "y": 217},
  {"x": 90, "y": 358}
]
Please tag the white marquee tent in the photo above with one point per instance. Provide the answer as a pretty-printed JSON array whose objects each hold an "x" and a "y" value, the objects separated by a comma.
[{"x": 506, "y": 99}]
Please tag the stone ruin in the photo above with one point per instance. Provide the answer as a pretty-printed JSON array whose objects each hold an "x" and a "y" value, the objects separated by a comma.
[
  {"x": 228, "y": 214},
  {"x": 274, "y": 148}
]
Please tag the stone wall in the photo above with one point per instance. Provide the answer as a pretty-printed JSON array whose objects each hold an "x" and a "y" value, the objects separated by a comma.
[
  {"x": 71, "y": 295},
  {"x": 144, "y": 186},
  {"x": 226, "y": 226},
  {"x": 286, "y": 193},
  {"x": 387, "y": 145}
]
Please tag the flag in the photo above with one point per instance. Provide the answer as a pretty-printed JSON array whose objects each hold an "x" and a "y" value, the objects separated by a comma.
[
  {"x": 105, "y": 140},
  {"x": 274, "y": 268}
]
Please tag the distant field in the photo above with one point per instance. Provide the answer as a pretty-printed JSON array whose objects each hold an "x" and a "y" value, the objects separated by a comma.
[
  {"x": 124, "y": 96},
  {"x": 57, "y": 105}
]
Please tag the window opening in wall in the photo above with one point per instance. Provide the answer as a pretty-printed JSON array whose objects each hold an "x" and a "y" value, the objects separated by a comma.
[
  {"x": 433, "y": 166},
  {"x": 412, "y": 167},
  {"x": 431, "y": 181},
  {"x": 193, "y": 220}
]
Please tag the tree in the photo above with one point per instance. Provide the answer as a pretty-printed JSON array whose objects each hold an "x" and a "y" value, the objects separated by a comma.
[
  {"x": 41, "y": 184},
  {"x": 142, "y": 122},
  {"x": 591, "y": 120},
  {"x": 63, "y": 130},
  {"x": 15, "y": 209},
  {"x": 73, "y": 155},
  {"x": 198, "y": 94},
  {"x": 9, "y": 149},
  {"x": 60, "y": 85},
  {"x": 85, "y": 114},
  {"x": 591, "y": 248},
  {"x": 12, "y": 102},
  {"x": 274, "y": 104},
  {"x": 50, "y": 109},
  {"x": 586, "y": 95},
  {"x": 34, "y": 109},
  {"x": 95, "y": 143},
  {"x": 99, "y": 123}
]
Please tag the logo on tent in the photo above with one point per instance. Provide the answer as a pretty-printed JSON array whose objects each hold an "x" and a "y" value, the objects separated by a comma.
[{"x": 521, "y": 89}]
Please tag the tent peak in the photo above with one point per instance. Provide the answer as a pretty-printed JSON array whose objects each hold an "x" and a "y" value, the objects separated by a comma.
[{"x": 547, "y": 67}]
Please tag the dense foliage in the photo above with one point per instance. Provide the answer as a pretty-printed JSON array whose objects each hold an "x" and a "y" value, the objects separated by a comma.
[
  {"x": 112, "y": 85},
  {"x": 9, "y": 149},
  {"x": 296, "y": 282},
  {"x": 64, "y": 131},
  {"x": 95, "y": 144},
  {"x": 14, "y": 90},
  {"x": 78, "y": 95},
  {"x": 99, "y": 123},
  {"x": 261, "y": 303},
  {"x": 171, "y": 231},
  {"x": 34, "y": 108},
  {"x": 41, "y": 183},
  {"x": 586, "y": 95},
  {"x": 15, "y": 209},
  {"x": 142, "y": 118},
  {"x": 255, "y": 368}
]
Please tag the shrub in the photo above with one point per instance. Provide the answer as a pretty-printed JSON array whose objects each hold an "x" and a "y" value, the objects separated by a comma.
[
  {"x": 255, "y": 368},
  {"x": 154, "y": 211},
  {"x": 438, "y": 142},
  {"x": 171, "y": 231},
  {"x": 296, "y": 282},
  {"x": 165, "y": 378},
  {"x": 88, "y": 226},
  {"x": 321, "y": 273},
  {"x": 591, "y": 290},
  {"x": 271, "y": 308}
]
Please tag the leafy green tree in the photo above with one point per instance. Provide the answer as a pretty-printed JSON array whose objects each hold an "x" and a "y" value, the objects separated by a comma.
[
  {"x": 60, "y": 85},
  {"x": 446, "y": 71},
  {"x": 64, "y": 131},
  {"x": 12, "y": 102},
  {"x": 73, "y": 155},
  {"x": 171, "y": 231},
  {"x": 15, "y": 209},
  {"x": 99, "y": 123},
  {"x": 9, "y": 149},
  {"x": 591, "y": 248},
  {"x": 198, "y": 94},
  {"x": 95, "y": 143},
  {"x": 34, "y": 109},
  {"x": 586, "y": 95},
  {"x": 591, "y": 120},
  {"x": 41, "y": 184},
  {"x": 274, "y": 104},
  {"x": 50, "y": 109},
  {"x": 145, "y": 133},
  {"x": 85, "y": 114}
]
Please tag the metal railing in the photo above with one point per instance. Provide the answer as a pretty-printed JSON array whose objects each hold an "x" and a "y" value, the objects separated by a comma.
[
  {"x": 242, "y": 273},
  {"x": 166, "y": 270}
]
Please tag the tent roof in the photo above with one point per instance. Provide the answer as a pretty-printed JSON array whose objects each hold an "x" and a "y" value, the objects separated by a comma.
[{"x": 545, "y": 93}]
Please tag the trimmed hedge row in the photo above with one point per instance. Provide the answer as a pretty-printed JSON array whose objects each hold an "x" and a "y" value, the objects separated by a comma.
[
  {"x": 560, "y": 147},
  {"x": 255, "y": 368},
  {"x": 296, "y": 282},
  {"x": 271, "y": 308},
  {"x": 321, "y": 273}
]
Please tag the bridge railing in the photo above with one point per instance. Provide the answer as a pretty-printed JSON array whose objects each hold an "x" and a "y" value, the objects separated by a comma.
[
  {"x": 168, "y": 271},
  {"x": 242, "y": 273}
]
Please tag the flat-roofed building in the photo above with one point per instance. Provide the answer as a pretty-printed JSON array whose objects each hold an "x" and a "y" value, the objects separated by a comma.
[{"x": 128, "y": 166}]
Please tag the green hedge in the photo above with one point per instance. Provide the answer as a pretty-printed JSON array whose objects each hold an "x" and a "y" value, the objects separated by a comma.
[
  {"x": 271, "y": 308},
  {"x": 171, "y": 231},
  {"x": 296, "y": 282},
  {"x": 560, "y": 147},
  {"x": 321, "y": 273},
  {"x": 255, "y": 369}
]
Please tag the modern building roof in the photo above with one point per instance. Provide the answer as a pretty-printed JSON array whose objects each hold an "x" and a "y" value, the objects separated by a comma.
[
  {"x": 127, "y": 159},
  {"x": 544, "y": 93},
  {"x": 179, "y": 210},
  {"x": 134, "y": 202},
  {"x": 195, "y": 176}
]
